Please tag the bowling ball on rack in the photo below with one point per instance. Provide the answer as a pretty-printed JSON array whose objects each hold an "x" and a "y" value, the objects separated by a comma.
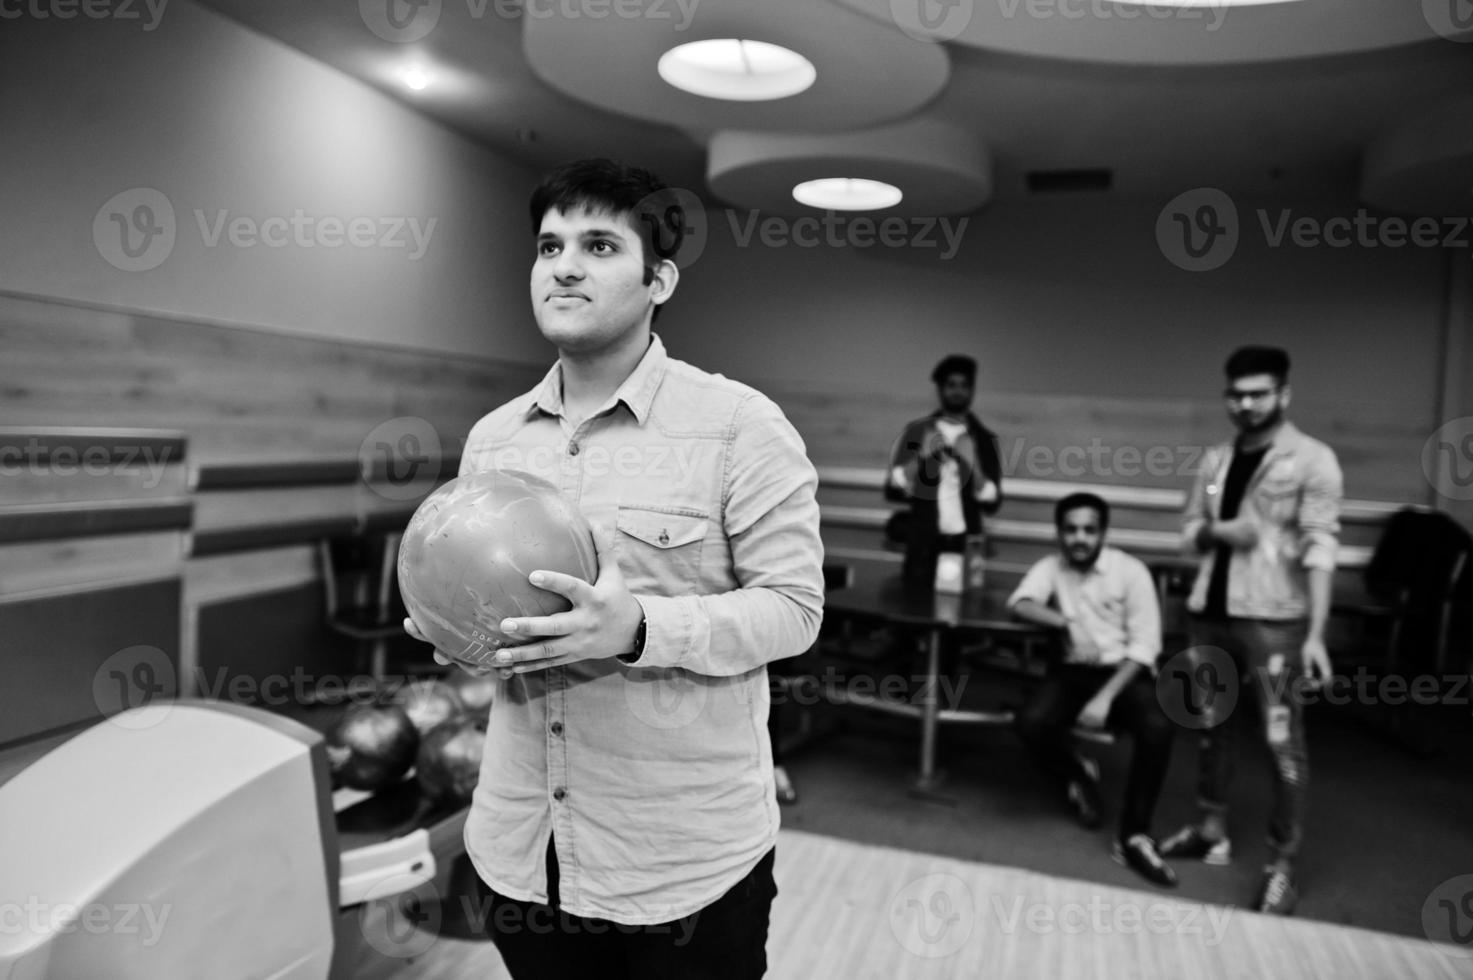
[
  {"x": 372, "y": 746},
  {"x": 448, "y": 765},
  {"x": 429, "y": 704},
  {"x": 466, "y": 554}
]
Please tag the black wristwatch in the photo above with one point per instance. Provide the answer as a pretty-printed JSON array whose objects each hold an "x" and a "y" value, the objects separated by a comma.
[{"x": 639, "y": 637}]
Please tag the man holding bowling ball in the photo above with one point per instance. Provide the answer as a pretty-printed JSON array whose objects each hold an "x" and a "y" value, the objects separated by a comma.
[{"x": 625, "y": 818}]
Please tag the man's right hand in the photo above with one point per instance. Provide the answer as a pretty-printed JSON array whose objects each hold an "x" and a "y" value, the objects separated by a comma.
[{"x": 1240, "y": 534}]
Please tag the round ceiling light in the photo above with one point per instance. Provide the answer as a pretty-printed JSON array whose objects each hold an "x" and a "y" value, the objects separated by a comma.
[
  {"x": 736, "y": 69},
  {"x": 847, "y": 194}
]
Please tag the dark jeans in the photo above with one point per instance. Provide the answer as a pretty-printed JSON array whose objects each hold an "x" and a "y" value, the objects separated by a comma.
[
  {"x": 1045, "y": 720},
  {"x": 726, "y": 940},
  {"x": 1268, "y": 655}
]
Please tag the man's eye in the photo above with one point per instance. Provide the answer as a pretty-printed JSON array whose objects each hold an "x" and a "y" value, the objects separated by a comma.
[
  {"x": 603, "y": 247},
  {"x": 547, "y": 248}
]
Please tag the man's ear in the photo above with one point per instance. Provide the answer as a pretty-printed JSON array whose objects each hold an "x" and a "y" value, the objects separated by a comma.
[
  {"x": 1285, "y": 394},
  {"x": 664, "y": 276}
]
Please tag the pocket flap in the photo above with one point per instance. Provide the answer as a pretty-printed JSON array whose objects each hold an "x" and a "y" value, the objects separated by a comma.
[{"x": 660, "y": 529}]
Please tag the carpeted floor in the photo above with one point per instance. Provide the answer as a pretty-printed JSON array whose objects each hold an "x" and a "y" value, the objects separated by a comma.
[{"x": 1386, "y": 827}]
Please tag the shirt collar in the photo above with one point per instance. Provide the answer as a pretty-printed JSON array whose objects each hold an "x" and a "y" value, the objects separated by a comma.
[{"x": 637, "y": 391}]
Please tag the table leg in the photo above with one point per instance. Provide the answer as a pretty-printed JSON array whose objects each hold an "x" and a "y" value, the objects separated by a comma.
[{"x": 930, "y": 779}]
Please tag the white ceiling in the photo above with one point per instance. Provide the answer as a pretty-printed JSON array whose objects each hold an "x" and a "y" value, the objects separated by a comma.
[{"x": 1254, "y": 106}]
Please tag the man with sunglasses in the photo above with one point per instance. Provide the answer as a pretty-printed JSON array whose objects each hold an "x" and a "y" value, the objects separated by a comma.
[{"x": 1264, "y": 517}]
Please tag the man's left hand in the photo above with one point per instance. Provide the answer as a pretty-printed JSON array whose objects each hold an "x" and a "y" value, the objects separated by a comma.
[
  {"x": 1095, "y": 713},
  {"x": 601, "y": 624},
  {"x": 1316, "y": 660}
]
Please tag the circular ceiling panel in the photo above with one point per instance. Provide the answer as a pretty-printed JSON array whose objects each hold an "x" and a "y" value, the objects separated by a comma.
[
  {"x": 613, "y": 62},
  {"x": 937, "y": 168}
]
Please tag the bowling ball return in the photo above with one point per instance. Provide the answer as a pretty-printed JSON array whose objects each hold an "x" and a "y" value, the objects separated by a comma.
[{"x": 225, "y": 816}]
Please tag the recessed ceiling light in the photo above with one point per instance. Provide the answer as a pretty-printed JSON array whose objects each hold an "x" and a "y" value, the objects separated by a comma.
[
  {"x": 416, "y": 78},
  {"x": 738, "y": 70},
  {"x": 847, "y": 194}
]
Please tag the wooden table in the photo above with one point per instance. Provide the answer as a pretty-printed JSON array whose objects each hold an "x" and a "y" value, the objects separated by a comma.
[{"x": 881, "y": 597}]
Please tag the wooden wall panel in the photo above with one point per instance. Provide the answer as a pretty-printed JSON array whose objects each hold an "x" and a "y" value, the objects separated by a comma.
[{"x": 240, "y": 393}]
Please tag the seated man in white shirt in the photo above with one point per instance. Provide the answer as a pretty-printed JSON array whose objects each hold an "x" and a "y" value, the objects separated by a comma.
[{"x": 1103, "y": 603}]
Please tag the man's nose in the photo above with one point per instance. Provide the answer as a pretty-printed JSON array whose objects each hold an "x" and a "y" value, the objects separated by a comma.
[{"x": 567, "y": 266}]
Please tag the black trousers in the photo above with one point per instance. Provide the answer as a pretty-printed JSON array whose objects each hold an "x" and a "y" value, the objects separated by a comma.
[
  {"x": 726, "y": 940},
  {"x": 1045, "y": 721}
]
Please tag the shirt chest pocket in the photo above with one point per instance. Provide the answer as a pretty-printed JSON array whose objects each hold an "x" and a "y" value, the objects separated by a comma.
[{"x": 660, "y": 548}]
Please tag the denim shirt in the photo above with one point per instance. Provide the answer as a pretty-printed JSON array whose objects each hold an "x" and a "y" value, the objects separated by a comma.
[
  {"x": 655, "y": 777},
  {"x": 1294, "y": 501}
]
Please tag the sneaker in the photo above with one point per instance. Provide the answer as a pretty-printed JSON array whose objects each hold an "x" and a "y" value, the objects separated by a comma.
[
  {"x": 1084, "y": 799},
  {"x": 1277, "y": 895},
  {"x": 1139, "y": 855},
  {"x": 1190, "y": 843}
]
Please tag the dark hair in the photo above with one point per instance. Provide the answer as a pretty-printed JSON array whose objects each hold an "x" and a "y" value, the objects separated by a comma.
[
  {"x": 955, "y": 364},
  {"x": 1258, "y": 360},
  {"x": 605, "y": 185},
  {"x": 1074, "y": 500}
]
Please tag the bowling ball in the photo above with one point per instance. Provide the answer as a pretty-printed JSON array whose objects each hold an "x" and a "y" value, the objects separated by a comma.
[
  {"x": 467, "y": 552},
  {"x": 429, "y": 704},
  {"x": 449, "y": 761},
  {"x": 372, "y": 746},
  {"x": 476, "y": 691}
]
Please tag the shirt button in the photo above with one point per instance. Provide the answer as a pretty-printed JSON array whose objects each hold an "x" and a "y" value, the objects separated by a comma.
[
  {"x": 557, "y": 728},
  {"x": 572, "y": 449},
  {"x": 559, "y": 793}
]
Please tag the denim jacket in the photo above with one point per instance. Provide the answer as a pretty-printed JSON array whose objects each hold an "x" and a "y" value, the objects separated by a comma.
[{"x": 1294, "y": 501}]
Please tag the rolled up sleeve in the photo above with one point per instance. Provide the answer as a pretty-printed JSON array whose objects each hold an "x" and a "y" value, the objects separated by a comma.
[
  {"x": 771, "y": 520},
  {"x": 1319, "y": 512}
]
